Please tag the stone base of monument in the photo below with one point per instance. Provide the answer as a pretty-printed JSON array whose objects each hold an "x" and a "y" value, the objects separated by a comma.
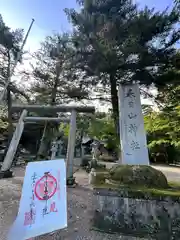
[
  {"x": 141, "y": 209},
  {"x": 122, "y": 212}
]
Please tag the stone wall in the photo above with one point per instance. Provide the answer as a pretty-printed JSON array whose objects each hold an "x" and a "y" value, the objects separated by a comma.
[{"x": 151, "y": 216}]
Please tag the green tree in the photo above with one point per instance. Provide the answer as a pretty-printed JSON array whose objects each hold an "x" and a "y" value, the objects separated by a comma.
[
  {"x": 115, "y": 42},
  {"x": 103, "y": 129},
  {"x": 54, "y": 81},
  {"x": 169, "y": 98},
  {"x": 163, "y": 128},
  {"x": 177, "y": 3},
  {"x": 100, "y": 126},
  {"x": 49, "y": 83},
  {"x": 163, "y": 134},
  {"x": 10, "y": 41},
  {"x": 82, "y": 125}
]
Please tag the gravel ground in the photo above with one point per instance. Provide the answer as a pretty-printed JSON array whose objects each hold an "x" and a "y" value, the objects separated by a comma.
[{"x": 79, "y": 210}]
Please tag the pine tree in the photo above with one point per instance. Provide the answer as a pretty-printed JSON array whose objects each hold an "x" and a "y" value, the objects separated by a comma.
[
  {"x": 10, "y": 41},
  {"x": 116, "y": 42}
]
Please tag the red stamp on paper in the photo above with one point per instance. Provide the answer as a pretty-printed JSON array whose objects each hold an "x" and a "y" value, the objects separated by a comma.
[
  {"x": 29, "y": 218},
  {"x": 46, "y": 187},
  {"x": 53, "y": 207}
]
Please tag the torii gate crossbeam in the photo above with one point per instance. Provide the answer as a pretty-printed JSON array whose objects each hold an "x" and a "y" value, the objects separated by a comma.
[{"x": 50, "y": 109}]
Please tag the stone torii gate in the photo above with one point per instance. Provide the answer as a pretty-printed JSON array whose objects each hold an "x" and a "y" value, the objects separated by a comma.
[{"x": 45, "y": 109}]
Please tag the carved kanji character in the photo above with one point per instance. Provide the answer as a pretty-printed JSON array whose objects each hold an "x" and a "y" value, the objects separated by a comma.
[
  {"x": 135, "y": 145},
  {"x": 131, "y": 104},
  {"x": 133, "y": 128},
  {"x": 132, "y": 115},
  {"x": 130, "y": 93}
]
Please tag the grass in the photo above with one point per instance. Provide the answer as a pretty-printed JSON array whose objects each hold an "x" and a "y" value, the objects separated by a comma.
[
  {"x": 172, "y": 191},
  {"x": 174, "y": 185}
]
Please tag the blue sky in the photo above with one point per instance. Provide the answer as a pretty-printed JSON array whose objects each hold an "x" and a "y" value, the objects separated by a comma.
[{"x": 49, "y": 16}]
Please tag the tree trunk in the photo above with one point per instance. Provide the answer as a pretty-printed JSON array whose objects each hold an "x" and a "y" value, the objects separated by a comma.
[
  {"x": 9, "y": 104},
  {"x": 9, "y": 101},
  {"x": 46, "y": 140},
  {"x": 54, "y": 90},
  {"x": 114, "y": 101},
  {"x": 43, "y": 151}
]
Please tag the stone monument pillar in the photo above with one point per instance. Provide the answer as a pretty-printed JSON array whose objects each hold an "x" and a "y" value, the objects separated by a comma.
[{"x": 132, "y": 133}]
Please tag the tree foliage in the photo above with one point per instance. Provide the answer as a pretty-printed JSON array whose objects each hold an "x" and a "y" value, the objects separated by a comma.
[
  {"x": 54, "y": 82},
  {"x": 10, "y": 41},
  {"x": 116, "y": 42},
  {"x": 177, "y": 4},
  {"x": 100, "y": 127},
  {"x": 163, "y": 133},
  {"x": 53, "y": 79},
  {"x": 163, "y": 128}
]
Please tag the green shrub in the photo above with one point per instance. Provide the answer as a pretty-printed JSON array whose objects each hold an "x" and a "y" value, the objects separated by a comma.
[{"x": 163, "y": 152}]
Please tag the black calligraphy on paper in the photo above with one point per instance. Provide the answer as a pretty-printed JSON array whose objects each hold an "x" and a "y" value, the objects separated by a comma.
[
  {"x": 29, "y": 217},
  {"x": 34, "y": 177},
  {"x": 45, "y": 197},
  {"x": 132, "y": 115},
  {"x": 134, "y": 145},
  {"x": 51, "y": 209},
  {"x": 32, "y": 204},
  {"x": 45, "y": 210},
  {"x": 46, "y": 174}
]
